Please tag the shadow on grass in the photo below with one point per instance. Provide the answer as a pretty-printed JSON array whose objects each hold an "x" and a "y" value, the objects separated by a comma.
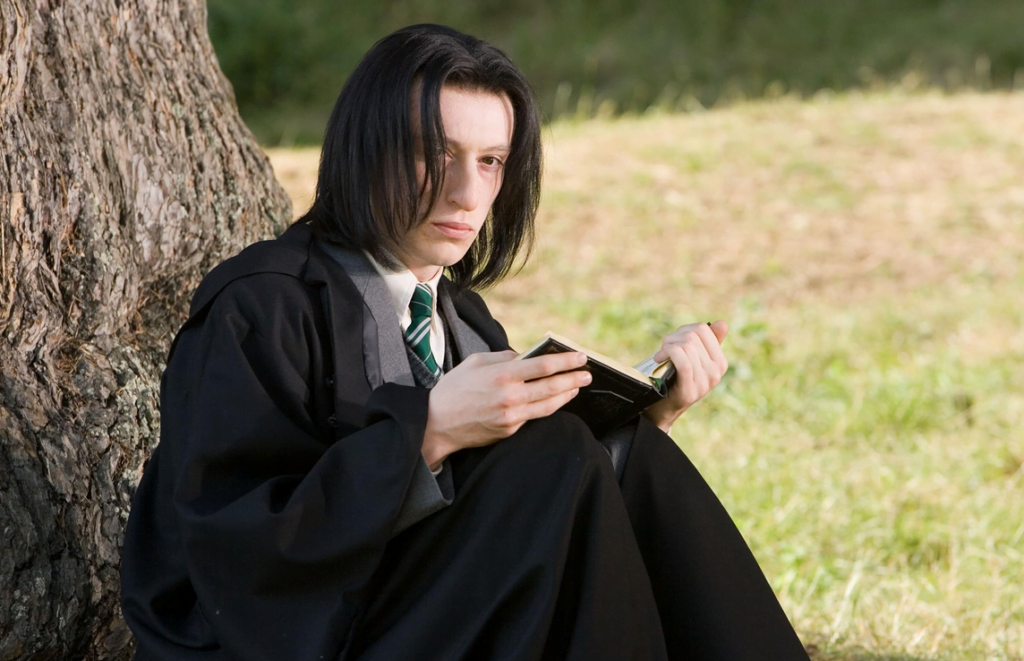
[{"x": 817, "y": 654}]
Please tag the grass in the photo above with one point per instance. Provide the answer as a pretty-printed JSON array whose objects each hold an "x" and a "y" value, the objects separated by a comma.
[{"x": 867, "y": 251}]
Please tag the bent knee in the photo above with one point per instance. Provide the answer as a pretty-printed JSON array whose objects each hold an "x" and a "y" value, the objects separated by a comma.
[
  {"x": 543, "y": 468},
  {"x": 557, "y": 443}
]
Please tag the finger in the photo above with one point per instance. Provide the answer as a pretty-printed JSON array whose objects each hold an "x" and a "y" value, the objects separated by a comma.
[
  {"x": 545, "y": 407},
  {"x": 714, "y": 351},
  {"x": 539, "y": 367},
  {"x": 702, "y": 346},
  {"x": 706, "y": 335},
  {"x": 491, "y": 357},
  {"x": 549, "y": 386},
  {"x": 676, "y": 337},
  {"x": 697, "y": 355},
  {"x": 711, "y": 372},
  {"x": 684, "y": 388},
  {"x": 720, "y": 329}
]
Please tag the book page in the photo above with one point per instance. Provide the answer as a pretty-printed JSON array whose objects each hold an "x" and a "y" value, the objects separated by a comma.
[{"x": 626, "y": 370}]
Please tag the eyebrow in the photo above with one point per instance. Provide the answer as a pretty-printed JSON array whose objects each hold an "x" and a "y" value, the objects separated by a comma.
[{"x": 502, "y": 148}]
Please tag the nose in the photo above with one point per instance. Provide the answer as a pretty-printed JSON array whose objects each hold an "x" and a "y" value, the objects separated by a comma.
[{"x": 463, "y": 185}]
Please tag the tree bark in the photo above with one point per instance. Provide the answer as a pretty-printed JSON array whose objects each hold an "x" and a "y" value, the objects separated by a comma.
[{"x": 126, "y": 174}]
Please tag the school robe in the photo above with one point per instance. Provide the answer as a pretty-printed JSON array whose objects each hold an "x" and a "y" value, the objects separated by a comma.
[{"x": 263, "y": 525}]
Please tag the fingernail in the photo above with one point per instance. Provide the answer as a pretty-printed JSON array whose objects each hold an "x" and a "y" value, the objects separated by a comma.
[
  {"x": 575, "y": 391},
  {"x": 586, "y": 378},
  {"x": 581, "y": 358}
]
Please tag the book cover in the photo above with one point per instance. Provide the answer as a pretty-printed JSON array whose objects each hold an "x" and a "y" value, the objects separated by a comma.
[{"x": 617, "y": 393}]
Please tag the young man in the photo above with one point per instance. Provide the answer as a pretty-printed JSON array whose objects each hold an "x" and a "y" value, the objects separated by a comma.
[{"x": 353, "y": 467}]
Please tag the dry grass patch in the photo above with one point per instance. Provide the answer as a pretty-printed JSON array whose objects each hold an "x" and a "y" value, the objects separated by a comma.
[{"x": 837, "y": 200}]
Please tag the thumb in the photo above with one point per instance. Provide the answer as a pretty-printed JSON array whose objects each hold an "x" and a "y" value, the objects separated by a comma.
[
  {"x": 492, "y": 357},
  {"x": 720, "y": 329}
]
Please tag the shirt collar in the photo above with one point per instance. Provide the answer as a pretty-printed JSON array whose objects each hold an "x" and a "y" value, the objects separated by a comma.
[{"x": 402, "y": 283}]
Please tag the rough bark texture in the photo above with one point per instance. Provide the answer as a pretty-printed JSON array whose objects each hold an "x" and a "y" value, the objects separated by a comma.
[{"x": 126, "y": 173}]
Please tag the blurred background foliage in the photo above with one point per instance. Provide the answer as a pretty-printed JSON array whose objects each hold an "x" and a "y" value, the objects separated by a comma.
[{"x": 288, "y": 59}]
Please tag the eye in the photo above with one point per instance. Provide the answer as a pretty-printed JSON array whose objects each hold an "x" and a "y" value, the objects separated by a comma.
[{"x": 492, "y": 161}]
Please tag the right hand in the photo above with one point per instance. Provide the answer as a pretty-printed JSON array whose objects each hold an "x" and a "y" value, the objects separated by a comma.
[{"x": 489, "y": 396}]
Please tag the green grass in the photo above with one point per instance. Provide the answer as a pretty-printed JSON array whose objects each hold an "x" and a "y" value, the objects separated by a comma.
[
  {"x": 868, "y": 253},
  {"x": 872, "y": 462},
  {"x": 877, "y": 472}
]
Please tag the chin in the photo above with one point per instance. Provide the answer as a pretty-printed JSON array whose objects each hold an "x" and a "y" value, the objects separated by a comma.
[{"x": 451, "y": 254}]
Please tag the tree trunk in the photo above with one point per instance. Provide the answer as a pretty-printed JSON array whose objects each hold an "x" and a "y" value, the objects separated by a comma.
[{"x": 126, "y": 174}]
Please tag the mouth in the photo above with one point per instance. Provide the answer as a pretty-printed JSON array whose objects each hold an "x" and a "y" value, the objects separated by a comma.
[{"x": 455, "y": 230}]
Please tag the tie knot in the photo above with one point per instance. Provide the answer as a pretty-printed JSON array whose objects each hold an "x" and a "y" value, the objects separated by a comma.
[
  {"x": 422, "y": 303},
  {"x": 417, "y": 335}
]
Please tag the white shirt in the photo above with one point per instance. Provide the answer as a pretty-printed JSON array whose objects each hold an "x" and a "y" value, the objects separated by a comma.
[{"x": 401, "y": 285}]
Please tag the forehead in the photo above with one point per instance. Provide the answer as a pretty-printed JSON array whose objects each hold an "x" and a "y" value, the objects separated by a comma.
[{"x": 471, "y": 117}]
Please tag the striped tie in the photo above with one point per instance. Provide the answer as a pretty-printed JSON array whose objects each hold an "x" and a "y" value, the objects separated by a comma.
[{"x": 417, "y": 335}]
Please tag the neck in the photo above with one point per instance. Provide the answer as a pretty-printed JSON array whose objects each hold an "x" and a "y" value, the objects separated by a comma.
[{"x": 424, "y": 273}]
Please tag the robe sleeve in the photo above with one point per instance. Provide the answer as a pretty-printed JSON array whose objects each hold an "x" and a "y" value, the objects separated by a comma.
[
  {"x": 429, "y": 492},
  {"x": 281, "y": 528}
]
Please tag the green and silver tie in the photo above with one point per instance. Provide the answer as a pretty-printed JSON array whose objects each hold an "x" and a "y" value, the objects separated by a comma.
[{"x": 417, "y": 335}]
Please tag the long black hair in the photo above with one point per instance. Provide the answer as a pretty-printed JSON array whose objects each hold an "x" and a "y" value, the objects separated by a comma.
[{"x": 367, "y": 193}]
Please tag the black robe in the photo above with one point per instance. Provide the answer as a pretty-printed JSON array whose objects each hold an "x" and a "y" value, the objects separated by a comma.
[{"x": 262, "y": 527}]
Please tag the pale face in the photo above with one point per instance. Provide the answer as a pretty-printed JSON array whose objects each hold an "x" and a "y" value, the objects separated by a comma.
[{"x": 478, "y": 129}]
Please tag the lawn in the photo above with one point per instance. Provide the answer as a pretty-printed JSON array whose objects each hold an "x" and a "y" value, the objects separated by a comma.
[{"x": 868, "y": 252}]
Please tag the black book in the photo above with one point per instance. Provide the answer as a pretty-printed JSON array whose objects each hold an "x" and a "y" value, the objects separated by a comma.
[{"x": 617, "y": 392}]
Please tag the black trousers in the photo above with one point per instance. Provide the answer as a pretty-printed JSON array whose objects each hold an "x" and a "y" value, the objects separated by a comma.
[{"x": 544, "y": 555}]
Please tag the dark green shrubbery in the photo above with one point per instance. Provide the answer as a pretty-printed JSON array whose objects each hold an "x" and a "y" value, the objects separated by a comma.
[{"x": 288, "y": 58}]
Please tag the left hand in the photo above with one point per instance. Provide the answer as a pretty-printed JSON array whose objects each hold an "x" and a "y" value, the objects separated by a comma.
[{"x": 696, "y": 352}]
